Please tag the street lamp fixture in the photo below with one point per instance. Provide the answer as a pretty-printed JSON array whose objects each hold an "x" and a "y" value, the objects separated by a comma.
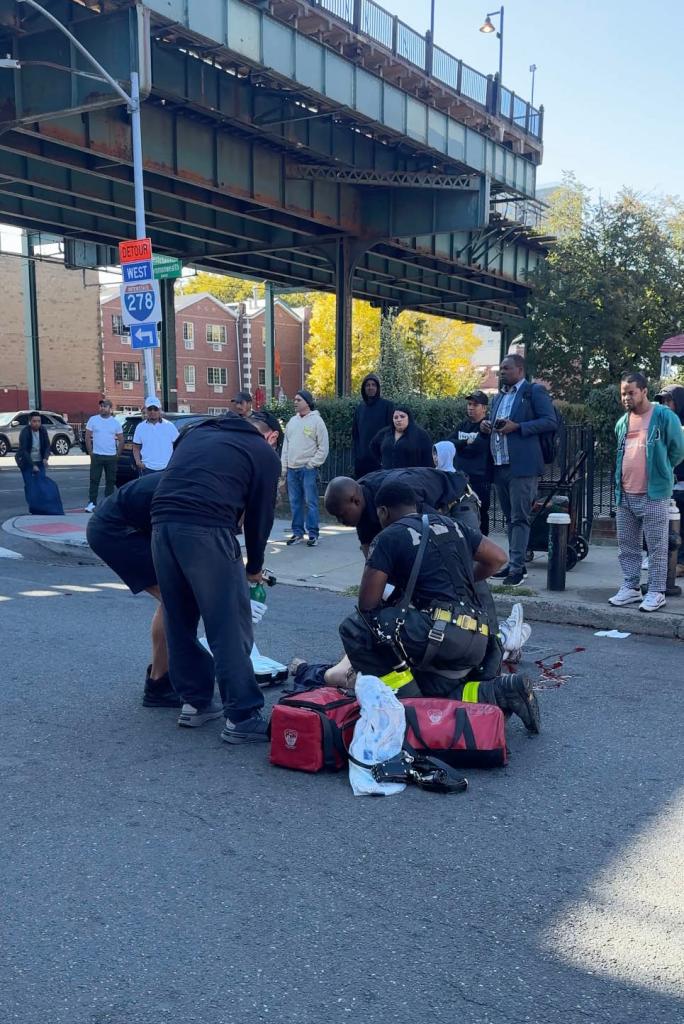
[{"x": 488, "y": 27}]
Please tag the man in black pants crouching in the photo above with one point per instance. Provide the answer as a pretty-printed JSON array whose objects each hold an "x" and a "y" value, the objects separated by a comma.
[{"x": 221, "y": 472}]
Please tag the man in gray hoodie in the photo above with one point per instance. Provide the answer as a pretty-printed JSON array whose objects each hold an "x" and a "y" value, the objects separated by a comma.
[{"x": 305, "y": 449}]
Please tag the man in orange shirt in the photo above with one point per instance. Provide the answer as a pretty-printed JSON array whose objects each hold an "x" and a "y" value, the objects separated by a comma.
[{"x": 650, "y": 444}]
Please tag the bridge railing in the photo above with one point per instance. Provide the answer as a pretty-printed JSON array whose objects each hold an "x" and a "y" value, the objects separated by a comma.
[{"x": 370, "y": 19}]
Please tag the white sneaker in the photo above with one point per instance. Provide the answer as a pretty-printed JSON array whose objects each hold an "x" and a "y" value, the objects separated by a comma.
[
  {"x": 625, "y": 595},
  {"x": 191, "y": 718},
  {"x": 652, "y": 602},
  {"x": 644, "y": 563},
  {"x": 90, "y": 507}
]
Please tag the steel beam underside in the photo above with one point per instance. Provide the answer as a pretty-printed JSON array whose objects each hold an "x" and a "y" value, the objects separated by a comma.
[
  {"x": 224, "y": 201},
  {"x": 53, "y": 187},
  {"x": 303, "y": 64}
]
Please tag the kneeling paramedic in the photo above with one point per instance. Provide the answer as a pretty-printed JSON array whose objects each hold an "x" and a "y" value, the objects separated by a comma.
[
  {"x": 220, "y": 472},
  {"x": 433, "y": 641}
]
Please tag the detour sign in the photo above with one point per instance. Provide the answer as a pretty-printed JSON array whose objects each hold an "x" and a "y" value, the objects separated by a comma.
[{"x": 137, "y": 249}]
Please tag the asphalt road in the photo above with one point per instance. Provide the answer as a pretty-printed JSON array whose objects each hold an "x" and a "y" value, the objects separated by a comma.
[
  {"x": 71, "y": 480},
  {"x": 154, "y": 875}
]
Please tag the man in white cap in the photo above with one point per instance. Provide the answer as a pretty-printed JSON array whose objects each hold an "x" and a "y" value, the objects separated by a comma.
[{"x": 153, "y": 439}]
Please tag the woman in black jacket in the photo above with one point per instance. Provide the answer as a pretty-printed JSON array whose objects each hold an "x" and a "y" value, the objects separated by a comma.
[{"x": 404, "y": 444}]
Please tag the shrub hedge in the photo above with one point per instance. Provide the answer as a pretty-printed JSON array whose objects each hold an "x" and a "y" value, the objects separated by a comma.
[{"x": 440, "y": 416}]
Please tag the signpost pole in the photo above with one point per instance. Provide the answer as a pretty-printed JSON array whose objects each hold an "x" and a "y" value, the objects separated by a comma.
[
  {"x": 168, "y": 347},
  {"x": 148, "y": 354}
]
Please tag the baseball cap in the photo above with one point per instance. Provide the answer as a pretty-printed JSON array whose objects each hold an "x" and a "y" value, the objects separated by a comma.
[
  {"x": 152, "y": 403},
  {"x": 242, "y": 396},
  {"x": 478, "y": 396}
]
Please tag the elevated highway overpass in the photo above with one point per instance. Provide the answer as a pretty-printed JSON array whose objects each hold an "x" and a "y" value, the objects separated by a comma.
[{"x": 311, "y": 144}]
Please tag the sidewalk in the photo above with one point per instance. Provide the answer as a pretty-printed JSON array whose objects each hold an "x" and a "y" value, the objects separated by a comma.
[{"x": 336, "y": 565}]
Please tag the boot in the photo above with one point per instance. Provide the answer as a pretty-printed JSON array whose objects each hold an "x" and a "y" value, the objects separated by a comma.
[
  {"x": 159, "y": 693},
  {"x": 514, "y": 694}
]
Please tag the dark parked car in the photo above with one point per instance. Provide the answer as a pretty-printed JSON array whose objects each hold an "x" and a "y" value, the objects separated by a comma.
[
  {"x": 126, "y": 469},
  {"x": 60, "y": 432}
]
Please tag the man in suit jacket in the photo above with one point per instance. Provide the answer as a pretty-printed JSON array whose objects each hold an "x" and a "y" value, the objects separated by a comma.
[{"x": 520, "y": 413}]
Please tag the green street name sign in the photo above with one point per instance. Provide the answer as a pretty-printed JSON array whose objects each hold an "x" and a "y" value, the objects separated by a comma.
[{"x": 166, "y": 266}]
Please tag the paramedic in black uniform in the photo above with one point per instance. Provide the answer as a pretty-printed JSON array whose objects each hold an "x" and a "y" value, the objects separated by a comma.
[
  {"x": 219, "y": 473},
  {"x": 446, "y": 643}
]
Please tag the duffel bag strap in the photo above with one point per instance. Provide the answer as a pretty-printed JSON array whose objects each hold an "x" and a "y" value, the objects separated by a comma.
[{"x": 462, "y": 727}]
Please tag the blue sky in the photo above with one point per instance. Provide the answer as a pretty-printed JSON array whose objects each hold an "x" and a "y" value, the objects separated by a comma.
[{"x": 610, "y": 76}]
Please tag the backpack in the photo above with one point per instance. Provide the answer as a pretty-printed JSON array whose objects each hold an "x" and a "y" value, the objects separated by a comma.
[{"x": 549, "y": 442}]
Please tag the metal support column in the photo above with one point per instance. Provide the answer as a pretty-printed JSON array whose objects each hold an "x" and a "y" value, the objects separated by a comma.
[
  {"x": 344, "y": 268},
  {"x": 504, "y": 342},
  {"x": 169, "y": 382},
  {"x": 31, "y": 338},
  {"x": 269, "y": 338}
]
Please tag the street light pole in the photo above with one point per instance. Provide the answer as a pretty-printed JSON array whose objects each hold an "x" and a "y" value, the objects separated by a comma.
[
  {"x": 133, "y": 104},
  {"x": 488, "y": 27},
  {"x": 533, "y": 68},
  {"x": 140, "y": 229}
]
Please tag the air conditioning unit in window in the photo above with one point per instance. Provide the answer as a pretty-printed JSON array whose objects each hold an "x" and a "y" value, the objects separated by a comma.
[
  {"x": 218, "y": 389},
  {"x": 189, "y": 387},
  {"x": 128, "y": 385}
]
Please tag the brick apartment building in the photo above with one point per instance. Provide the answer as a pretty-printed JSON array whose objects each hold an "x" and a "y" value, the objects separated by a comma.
[
  {"x": 69, "y": 338},
  {"x": 220, "y": 350}
]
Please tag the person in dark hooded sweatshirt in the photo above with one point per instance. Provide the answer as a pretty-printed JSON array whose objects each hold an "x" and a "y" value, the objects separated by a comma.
[
  {"x": 221, "y": 473},
  {"x": 373, "y": 414},
  {"x": 673, "y": 397}
]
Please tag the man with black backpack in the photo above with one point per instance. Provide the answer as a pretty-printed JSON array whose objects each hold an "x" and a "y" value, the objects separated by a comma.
[
  {"x": 434, "y": 640},
  {"x": 522, "y": 426}
]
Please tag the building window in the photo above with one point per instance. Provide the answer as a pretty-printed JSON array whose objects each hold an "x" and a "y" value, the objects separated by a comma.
[
  {"x": 118, "y": 326},
  {"x": 126, "y": 372},
  {"x": 217, "y": 375},
  {"x": 157, "y": 374},
  {"x": 188, "y": 334},
  {"x": 189, "y": 377},
  {"x": 262, "y": 378},
  {"x": 216, "y": 334},
  {"x": 216, "y": 410}
]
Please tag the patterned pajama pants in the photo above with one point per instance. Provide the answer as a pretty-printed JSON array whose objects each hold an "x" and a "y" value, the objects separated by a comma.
[{"x": 637, "y": 518}]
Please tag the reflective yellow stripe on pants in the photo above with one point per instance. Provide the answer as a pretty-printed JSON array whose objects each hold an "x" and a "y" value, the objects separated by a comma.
[{"x": 470, "y": 692}]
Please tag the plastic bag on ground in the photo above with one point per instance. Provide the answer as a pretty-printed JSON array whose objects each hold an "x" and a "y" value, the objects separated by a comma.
[
  {"x": 263, "y": 666},
  {"x": 378, "y": 736}
]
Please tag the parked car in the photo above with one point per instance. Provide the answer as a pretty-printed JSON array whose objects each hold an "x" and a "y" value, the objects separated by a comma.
[
  {"x": 126, "y": 468},
  {"x": 61, "y": 433}
]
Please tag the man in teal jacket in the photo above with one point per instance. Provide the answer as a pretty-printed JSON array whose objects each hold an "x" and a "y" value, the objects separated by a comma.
[{"x": 650, "y": 443}]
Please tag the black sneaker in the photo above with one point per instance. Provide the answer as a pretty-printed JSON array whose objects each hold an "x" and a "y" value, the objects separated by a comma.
[
  {"x": 294, "y": 540},
  {"x": 312, "y": 542},
  {"x": 514, "y": 694},
  {"x": 502, "y": 573},
  {"x": 514, "y": 579},
  {"x": 251, "y": 730},
  {"x": 159, "y": 693}
]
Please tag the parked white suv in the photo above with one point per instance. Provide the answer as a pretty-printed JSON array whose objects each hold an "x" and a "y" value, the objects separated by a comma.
[{"x": 60, "y": 432}]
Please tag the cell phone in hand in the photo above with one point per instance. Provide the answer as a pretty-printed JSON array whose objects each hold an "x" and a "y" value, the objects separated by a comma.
[{"x": 499, "y": 424}]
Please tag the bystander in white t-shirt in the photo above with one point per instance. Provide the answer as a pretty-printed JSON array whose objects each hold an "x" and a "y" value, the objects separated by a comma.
[
  {"x": 105, "y": 431},
  {"x": 156, "y": 440}
]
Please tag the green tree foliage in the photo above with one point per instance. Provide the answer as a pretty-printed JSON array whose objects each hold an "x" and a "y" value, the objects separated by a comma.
[{"x": 608, "y": 295}]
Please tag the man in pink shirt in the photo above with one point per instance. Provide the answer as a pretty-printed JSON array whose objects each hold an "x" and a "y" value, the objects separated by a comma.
[{"x": 650, "y": 445}]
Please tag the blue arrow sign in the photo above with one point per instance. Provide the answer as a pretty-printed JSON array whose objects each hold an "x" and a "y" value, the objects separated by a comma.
[{"x": 144, "y": 336}]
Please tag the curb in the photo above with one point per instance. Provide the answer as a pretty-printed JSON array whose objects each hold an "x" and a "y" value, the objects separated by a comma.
[
  {"x": 79, "y": 550},
  {"x": 595, "y": 616}
]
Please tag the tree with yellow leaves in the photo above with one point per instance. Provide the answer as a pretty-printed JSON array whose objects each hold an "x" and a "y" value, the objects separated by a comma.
[
  {"x": 320, "y": 350},
  {"x": 436, "y": 354}
]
